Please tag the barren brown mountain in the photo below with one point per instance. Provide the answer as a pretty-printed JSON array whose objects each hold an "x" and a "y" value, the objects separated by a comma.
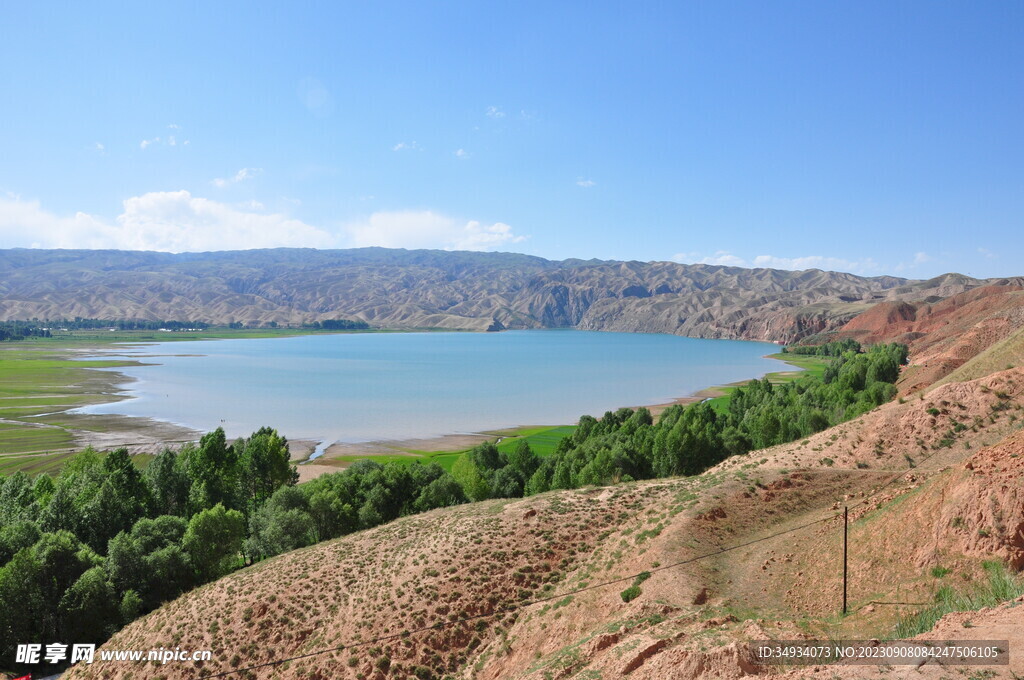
[{"x": 438, "y": 289}]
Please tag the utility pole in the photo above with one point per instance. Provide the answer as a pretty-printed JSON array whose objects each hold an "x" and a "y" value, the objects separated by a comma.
[{"x": 846, "y": 518}]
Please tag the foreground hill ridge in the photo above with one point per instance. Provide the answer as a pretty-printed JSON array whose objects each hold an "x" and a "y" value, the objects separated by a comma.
[{"x": 454, "y": 290}]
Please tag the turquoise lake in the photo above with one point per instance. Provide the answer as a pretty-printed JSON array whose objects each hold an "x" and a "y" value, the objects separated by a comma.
[{"x": 376, "y": 386}]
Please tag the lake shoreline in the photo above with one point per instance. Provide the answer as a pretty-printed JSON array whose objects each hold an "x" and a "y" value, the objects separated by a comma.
[{"x": 141, "y": 434}]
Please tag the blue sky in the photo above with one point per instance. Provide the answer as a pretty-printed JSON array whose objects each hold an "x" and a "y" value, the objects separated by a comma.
[{"x": 872, "y": 137}]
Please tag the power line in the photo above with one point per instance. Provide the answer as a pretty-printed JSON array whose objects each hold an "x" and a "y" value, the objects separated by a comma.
[
  {"x": 523, "y": 605},
  {"x": 513, "y": 608}
]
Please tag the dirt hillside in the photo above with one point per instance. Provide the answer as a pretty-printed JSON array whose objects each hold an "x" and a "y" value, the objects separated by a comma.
[{"x": 944, "y": 335}]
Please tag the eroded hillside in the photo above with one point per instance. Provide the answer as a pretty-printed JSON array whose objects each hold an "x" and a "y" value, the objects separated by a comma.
[{"x": 455, "y": 290}]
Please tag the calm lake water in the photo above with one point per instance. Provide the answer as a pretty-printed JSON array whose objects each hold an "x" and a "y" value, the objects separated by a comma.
[{"x": 364, "y": 387}]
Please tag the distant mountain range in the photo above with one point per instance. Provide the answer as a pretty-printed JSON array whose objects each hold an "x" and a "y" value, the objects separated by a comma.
[{"x": 454, "y": 290}]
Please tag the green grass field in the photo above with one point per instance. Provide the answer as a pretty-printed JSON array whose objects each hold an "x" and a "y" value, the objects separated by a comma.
[
  {"x": 38, "y": 378},
  {"x": 542, "y": 440},
  {"x": 50, "y": 463}
]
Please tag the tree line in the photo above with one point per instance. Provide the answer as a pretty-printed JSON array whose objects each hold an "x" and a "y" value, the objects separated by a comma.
[
  {"x": 829, "y": 349},
  {"x": 15, "y": 330},
  {"x": 337, "y": 325},
  {"x": 12, "y": 331},
  {"x": 102, "y": 543}
]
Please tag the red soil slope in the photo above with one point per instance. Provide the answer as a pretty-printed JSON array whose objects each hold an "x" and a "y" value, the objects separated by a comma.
[{"x": 944, "y": 335}]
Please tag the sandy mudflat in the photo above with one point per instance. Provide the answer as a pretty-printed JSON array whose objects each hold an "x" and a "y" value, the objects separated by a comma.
[
  {"x": 308, "y": 471},
  {"x": 138, "y": 435},
  {"x": 397, "y": 447},
  {"x": 707, "y": 393}
]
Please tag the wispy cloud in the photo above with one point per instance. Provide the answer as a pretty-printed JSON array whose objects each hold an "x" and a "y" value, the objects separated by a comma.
[
  {"x": 169, "y": 140},
  {"x": 177, "y": 221},
  {"x": 585, "y": 183},
  {"x": 495, "y": 112},
  {"x": 864, "y": 266},
  {"x": 721, "y": 257},
  {"x": 728, "y": 259},
  {"x": 240, "y": 176},
  {"x": 461, "y": 154},
  {"x": 915, "y": 262},
  {"x": 428, "y": 229},
  {"x": 407, "y": 146},
  {"x": 987, "y": 253},
  {"x": 173, "y": 221}
]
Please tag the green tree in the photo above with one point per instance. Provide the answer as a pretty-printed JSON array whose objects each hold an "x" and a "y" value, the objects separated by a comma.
[
  {"x": 16, "y": 498},
  {"x": 440, "y": 493},
  {"x": 26, "y": 610},
  {"x": 212, "y": 469},
  {"x": 149, "y": 560},
  {"x": 331, "y": 515},
  {"x": 282, "y": 524},
  {"x": 89, "y": 608},
  {"x": 169, "y": 484},
  {"x": 17, "y": 536},
  {"x": 473, "y": 483},
  {"x": 123, "y": 498},
  {"x": 213, "y": 541},
  {"x": 263, "y": 466},
  {"x": 523, "y": 460}
]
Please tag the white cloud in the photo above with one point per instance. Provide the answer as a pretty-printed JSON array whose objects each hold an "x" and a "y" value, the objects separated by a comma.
[
  {"x": 172, "y": 221},
  {"x": 725, "y": 258},
  {"x": 919, "y": 259},
  {"x": 24, "y": 224},
  {"x": 428, "y": 229},
  {"x": 721, "y": 257},
  {"x": 177, "y": 221},
  {"x": 169, "y": 140},
  {"x": 585, "y": 183},
  {"x": 728, "y": 259},
  {"x": 404, "y": 146},
  {"x": 864, "y": 266},
  {"x": 495, "y": 112},
  {"x": 987, "y": 253},
  {"x": 461, "y": 154},
  {"x": 99, "y": 147},
  {"x": 240, "y": 176}
]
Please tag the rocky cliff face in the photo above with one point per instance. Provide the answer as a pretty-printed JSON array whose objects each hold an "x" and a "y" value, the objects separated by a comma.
[{"x": 456, "y": 290}]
